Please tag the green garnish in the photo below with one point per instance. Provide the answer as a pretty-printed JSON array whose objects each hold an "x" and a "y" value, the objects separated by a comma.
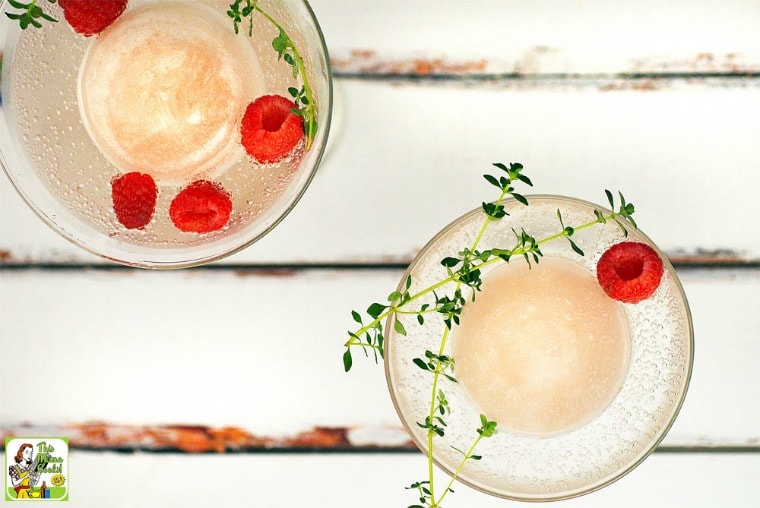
[
  {"x": 463, "y": 270},
  {"x": 287, "y": 51},
  {"x": 30, "y": 14}
]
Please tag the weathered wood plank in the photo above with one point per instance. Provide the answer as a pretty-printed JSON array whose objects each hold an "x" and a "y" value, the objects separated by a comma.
[
  {"x": 338, "y": 480},
  {"x": 259, "y": 351},
  {"x": 405, "y": 160},
  {"x": 653, "y": 98},
  {"x": 553, "y": 37}
]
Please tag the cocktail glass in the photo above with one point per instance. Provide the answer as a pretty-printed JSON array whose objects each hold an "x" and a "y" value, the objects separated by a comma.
[
  {"x": 529, "y": 467},
  {"x": 54, "y": 157}
]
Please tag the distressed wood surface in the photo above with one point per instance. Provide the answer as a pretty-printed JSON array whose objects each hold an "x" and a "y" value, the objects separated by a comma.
[
  {"x": 656, "y": 99},
  {"x": 687, "y": 159},
  {"x": 553, "y": 37},
  {"x": 644, "y": 97},
  {"x": 259, "y": 353}
]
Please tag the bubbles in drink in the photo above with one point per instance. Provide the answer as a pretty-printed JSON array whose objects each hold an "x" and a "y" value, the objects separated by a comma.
[
  {"x": 578, "y": 402},
  {"x": 160, "y": 91}
]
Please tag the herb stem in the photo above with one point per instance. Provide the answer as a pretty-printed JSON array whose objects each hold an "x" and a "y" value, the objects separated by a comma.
[
  {"x": 431, "y": 414},
  {"x": 587, "y": 225},
  {"x": 415, "y": 312},
  {"x": 30, "y": 13},
  {"x": 353, "y": 341},
  {"x": 311, "y": 124},
  {"x": 487, "y": 222},
  {"x": 463, "y": 270},
  {"x": 366, "y": 346},
  {"x": 437, "y": 373},
  {"x": 459, "y": 469}
]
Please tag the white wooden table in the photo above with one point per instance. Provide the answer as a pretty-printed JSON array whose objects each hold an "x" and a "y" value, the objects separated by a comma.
[{"x": 226, "y": 381}]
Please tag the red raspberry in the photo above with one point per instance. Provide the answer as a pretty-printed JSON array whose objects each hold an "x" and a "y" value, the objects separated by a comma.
[
  {"x": 90, "y": 17},
  {"x": 201, "y": 207},
  {"x": 134, "y": 199},
  {"x": 629, "y": 271},
  {"x": 270, "y": 130}
]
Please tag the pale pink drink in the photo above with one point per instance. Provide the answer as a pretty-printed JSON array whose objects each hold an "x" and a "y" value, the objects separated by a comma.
[
  {"x": 582, "y": 387},
  {"x": 161, "y": 91},
  {"x": 542, "y": 350}
]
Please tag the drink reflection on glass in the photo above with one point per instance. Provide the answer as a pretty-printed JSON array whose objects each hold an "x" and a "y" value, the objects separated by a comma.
[{"x": 164, "y": 133}]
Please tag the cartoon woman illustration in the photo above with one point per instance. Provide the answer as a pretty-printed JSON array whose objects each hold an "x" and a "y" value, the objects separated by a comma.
[{"x": 23, "y": 474}]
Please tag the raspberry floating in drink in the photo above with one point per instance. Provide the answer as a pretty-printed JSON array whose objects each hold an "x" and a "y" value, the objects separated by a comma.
[
  {"x": 201, "y": 207},
  {"x": 134, "y": 199},
  {"x": 90, "y": 17},
  {"x": 629, "y": 271},
  {"x": 270, "y": 130}
]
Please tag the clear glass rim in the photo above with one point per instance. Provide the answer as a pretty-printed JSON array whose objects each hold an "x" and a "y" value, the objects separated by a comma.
[
  {"x": 187, "y": 257},
  {"x": 594, "y": 486}
]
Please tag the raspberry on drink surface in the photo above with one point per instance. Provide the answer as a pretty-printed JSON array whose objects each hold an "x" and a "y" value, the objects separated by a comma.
[
  {"x": 270, "y": 129},
  {"x": 90, "y": 17},
  {"x": 629, "y": 271}
]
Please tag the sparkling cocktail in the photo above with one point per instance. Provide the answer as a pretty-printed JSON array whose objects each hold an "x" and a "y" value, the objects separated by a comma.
[{"x": 163, "y": 91}]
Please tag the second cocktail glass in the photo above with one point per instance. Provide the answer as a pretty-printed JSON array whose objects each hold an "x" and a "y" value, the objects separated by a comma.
[{"x": 148, "y": 95}]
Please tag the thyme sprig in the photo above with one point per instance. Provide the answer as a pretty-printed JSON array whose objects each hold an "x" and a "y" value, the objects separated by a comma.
[
  {"x": 240, "y": 9},
  {"x": 31, "y": 14},
  {"x": 487, "y": 429},
  {"x": 287, "y": 51},
  {"x": 464, "y": 270},
  {"x": 468, "y": 266}
]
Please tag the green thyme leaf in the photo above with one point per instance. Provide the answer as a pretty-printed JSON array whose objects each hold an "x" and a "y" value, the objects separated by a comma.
[
  {"x": 575, "y": 248},
  {"x": 376, "y": 309},
  {"x": 525, "y": 180},
  {"x": 492, "y": 180},
  {"x": 450, "y": 262},
  {"x": 519, "y": 197},
  {"x": 421, "y": 363},
  {"x": 347, "y": 360},
  {"x": 394, "y": 296},
  {"x": 494, "y": 210}
]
